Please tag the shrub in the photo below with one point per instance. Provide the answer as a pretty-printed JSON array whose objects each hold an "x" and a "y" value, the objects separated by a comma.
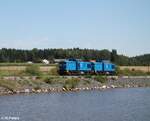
[
  {"x": 33, "y": 70},
  {"x": 125, "y": 72},
  {"x": 71, "y": 83},
  {"x": 138, "y": 73},
  {"x": 10, "y": 73},
  {"x": 88, "y": 76},
  {"x": 11, "y": 85},
  {"x": 118, "y": 71},
  {"x": 53, "y": 71},
  {"x": 148, "y": 73},
  {"x": 101, "y": 79},
  {"x": 88, "y": 81},
  {"x": 37, "y": 87},
  {"x": 132, "y": 72},
  {"x": 48, "y": 80}
]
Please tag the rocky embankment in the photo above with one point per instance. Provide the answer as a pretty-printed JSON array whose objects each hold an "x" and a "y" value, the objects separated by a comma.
[{"x": 17, "y": 85}]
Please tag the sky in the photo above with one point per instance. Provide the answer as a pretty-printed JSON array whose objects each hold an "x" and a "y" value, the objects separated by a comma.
[{"x": 123, "y": 25}]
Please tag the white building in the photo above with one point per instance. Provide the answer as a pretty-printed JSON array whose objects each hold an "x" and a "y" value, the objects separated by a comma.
[
  {"x": 45, "y": 61},
  {"x": 29, "y": 62}
]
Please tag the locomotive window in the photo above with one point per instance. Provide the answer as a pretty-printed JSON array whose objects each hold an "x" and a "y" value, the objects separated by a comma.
[
  {"x": 113, "y": 67},
  {"x": 107, "y": 66},
  {"x": 89, "y": 65},
  {"x": 78, "y": 65}
]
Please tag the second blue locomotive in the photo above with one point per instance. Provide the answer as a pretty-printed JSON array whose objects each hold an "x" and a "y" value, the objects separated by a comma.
[{"x": 73, "y": 66}]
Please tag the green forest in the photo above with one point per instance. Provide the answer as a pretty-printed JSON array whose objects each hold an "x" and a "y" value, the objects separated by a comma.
[{"x": 36, "y": 55}]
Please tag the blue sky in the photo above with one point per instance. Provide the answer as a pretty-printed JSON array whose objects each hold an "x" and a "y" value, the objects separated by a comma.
[{"x": 97, "y": 24}]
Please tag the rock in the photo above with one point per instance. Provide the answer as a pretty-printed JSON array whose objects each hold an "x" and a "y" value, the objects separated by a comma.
[
  {"x": 112, "y": 86},
  {"x": 63, "y": 89},
  {"x": 34, "y": 78},
  {"x": 87, "y": 88},
  {"x": 10, "y": 92},
  {"x": 33, "y": 90},
  {"x": 45, "y": 90},
  {"x": 104, "y": 87},
  {"x": 38, "y": 91},
  {"x": 26, "y": 77},
  {"x": 107, "y": 87},
  {"x": 17, "y": 91},
  {"x": 27, "y": 91},
  {"x": 83, "y": 88},
  {"x": 76, "y": 89},
  {"x": 128, "y": 86},
  {"x": 18, "y": 78}
]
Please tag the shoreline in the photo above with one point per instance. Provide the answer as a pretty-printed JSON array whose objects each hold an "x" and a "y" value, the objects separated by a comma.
[
  {"x": 84, "y": 84},
  {"x": 54, "y": 90},
  {"x": 66, "y": 91}
]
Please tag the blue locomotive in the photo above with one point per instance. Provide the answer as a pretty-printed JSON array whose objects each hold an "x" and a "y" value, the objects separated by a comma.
[{"x": 73, "y": 66}]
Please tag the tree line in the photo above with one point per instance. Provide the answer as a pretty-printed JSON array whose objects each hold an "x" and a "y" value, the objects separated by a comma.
[{"x": 36, "y": 55}]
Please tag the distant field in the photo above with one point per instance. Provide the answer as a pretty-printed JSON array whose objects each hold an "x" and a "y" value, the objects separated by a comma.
[
  {"x": 141, "y": 68},
  {"x": 25, "y": 64},
  {"x": 45, "y": 68},
  {"x": 22, "y": 66}
]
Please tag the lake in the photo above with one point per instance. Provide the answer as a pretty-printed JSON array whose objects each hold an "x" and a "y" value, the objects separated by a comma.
[{"x": 107, "y": 105}]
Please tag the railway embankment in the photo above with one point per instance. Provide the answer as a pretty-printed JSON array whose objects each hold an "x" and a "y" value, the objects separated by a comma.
[{"x": 49, "y": 84}]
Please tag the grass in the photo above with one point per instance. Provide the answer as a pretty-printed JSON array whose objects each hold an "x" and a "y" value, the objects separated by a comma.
[
  {"x": 101, "y": 79},
  {"x": 53, "y": 71},
  {"x": 136, "y": 68},
  {"x": 128, "y": 72},
  {"x": 33, "y": 70},
  {"x": 11, "y": 85},
  {"x": 28, "y": 70},
  {"x": 88, "y": 76},
  {"x": 22, "y": 83},
  {"x": 10, "y": 73},
  {"x": 25, "y": 82},
  {"x": 22, "y": 69},
  {"x": 48, "y": 80},
  {"x": 25, "y": 64},
  {"x": 52, "y": 78},
  {"x": 71, "y": 83}
]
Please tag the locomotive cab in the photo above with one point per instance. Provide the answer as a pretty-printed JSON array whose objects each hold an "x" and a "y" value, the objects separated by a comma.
[
  {"x": 67, "y": 67},
  {"x": 62, "y": 67}
]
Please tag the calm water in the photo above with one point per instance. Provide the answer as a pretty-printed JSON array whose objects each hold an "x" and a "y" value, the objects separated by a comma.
[{"x": 107, "y": 105}]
